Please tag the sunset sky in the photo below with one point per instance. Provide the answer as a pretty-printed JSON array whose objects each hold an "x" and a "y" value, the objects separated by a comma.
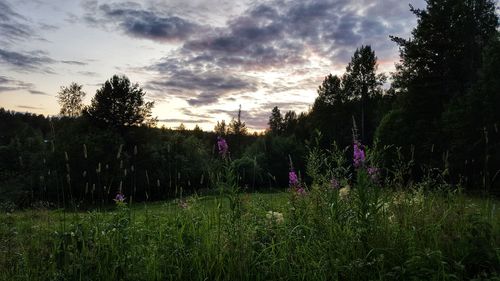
[{"x": 198, "y": 60}]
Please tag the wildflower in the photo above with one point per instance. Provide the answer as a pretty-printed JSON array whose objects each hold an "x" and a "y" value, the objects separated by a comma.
[
  {"x": 119, "y": 198},
  {"x": 222, "y": 145},
  {"x": 300, "y": 191},
  {"x": 274, "y": 217},
  {"x": 183, "y": 204},
  {"x": 334, "y": 183},
  {"x": 293, "y": 180},
  {"x": 374, "y": 173},
  {"x": 359, "y": 154},
  {"x": 344, "y": 191}
]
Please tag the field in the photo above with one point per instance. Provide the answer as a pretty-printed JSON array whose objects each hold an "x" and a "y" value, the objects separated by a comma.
[{"x": 324, "y": 234}]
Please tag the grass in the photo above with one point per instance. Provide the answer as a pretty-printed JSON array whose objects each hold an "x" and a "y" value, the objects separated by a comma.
[{"x": 324, "y": 235}]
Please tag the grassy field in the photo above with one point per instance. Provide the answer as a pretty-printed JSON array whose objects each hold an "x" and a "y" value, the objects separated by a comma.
[{"x": 321, "y": 235}]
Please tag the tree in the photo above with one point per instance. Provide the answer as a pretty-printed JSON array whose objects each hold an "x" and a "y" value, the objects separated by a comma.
[
  {"x": 237, "y": 129},
  {"x": 439, "y": 64},
  {"x": 330, "y": 92},
  {"x": 290, "y": 122},
  {"x": 360, "y": 80},
  {"x": 471, "y": 124},
  {"x": 221, "y": 128},
  {"x": 71, "y": 100},
  {"x": 445, "y": 50},
  {"x": 236, "y": 126},
  {"x": 276, "y": 121},
  {"x": 120, "y": 104}
]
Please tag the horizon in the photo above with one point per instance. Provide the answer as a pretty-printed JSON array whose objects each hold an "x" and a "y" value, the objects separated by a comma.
[{"x": 198, "y": 61}]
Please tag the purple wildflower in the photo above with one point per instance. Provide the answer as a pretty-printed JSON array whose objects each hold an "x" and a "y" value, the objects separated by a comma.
[
  {"x": 334, "y": 183},
  {"x": 359, "y": 154},
  {"x": 222, "y": 145},
  {"x": 300, "y": 191},
  {"x": 119, "y": 197},
  {"x": 293, "y": 180},
  {"x": 374, "y": 173}
]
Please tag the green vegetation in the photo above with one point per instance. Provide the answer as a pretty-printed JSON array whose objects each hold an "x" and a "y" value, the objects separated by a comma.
[
  {"x": 101, "y": 194},
  {"x": 324, "y": 235}
]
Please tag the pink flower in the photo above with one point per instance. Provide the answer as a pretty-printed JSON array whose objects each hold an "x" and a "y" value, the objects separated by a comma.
[
  {"x": 293, "y": 180},
  {"x": 334, "y": 183},
  {"x": 119, "y": 197},
  {"x": 359, "y": 154},
  {"x": 374, "y": 173},
  {"x": 300, "y": 191},
  {"x": 222, "y": 145}
]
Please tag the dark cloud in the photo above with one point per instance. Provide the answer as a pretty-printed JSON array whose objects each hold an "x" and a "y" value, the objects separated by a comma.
[
  {"x": 195, "y": 85},
  {"x": 8, "y": 84},
  {"x": 89, "y": 73},
  {"x": 48, "y": 27},
  {"x": 29, "y": 61},
  {"x": 280, "y": 34},
  {"x": 275, "y": 35},
  {"x": 13, "y": 26},
  {"x": 186, "y": 121},
  {"x": 36, "y": 92},
  {"x": 28, "y": 107},
  {"x": 135, "y": 21},
  {"x": 72, "y": 62}
]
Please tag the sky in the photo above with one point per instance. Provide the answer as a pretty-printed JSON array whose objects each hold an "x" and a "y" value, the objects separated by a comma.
[{"x": 197, "y": 59}]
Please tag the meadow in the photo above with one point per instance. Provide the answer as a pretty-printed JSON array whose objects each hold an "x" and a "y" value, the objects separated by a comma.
[{"x": 360, "y": 233}]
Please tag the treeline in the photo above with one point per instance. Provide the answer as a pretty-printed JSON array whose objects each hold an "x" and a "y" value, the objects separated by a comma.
[
  {"x": 65, "y": 160},
  {"x": 439, "y": 114}
]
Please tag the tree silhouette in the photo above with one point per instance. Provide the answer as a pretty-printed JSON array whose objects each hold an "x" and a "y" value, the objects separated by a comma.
[
  {"x": 360, "y": 80},
  {"x": 120, "y": 104},
  {"x": 71, "y": 100},
  {"x": 276, "y": 121}
]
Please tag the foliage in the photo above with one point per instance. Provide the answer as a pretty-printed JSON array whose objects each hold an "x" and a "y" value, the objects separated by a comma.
[
  {"x": 411, "y": 235},
  {"x": 439, "y": 68},
  {"x": 71, "y": 100},
  {"x": 118, "y": 104}
]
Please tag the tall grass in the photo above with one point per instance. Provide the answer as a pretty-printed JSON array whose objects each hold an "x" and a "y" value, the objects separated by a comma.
[
  {"x": 347, "y": 225},
  {"x": 323, "y": 235}
]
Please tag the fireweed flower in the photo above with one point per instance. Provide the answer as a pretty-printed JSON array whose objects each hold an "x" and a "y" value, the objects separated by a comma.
[
  {"x": 334, "y": 183},
  {"x": 359, "y": 154},
  {"x": 374, "y": 173},
  {"x": 293, "y": 180},
  {"x": 222, "y": 145},
  {"x": 119, "y": 197},
  {"x": 300, "y": 191}
]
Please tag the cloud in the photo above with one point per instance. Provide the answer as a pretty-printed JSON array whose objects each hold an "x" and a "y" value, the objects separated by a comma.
[
  {"x": 28, "y": 61},
  {"x": 197, "y": 86},
  {"x": 36, "y": 92},
  {"x": 13, "y": 26},
  {"x": 186, "y": 121},
  {"x": 72, "y": 62},
  {"x": 90, "y": 73},
  {"x": 28, "y": 107},
  {"x": 273, "y": 35},
  {"x": 135, "y": 21},
  {"x": 212, "y": 64},
  {"x": 8, "y": 84}
]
